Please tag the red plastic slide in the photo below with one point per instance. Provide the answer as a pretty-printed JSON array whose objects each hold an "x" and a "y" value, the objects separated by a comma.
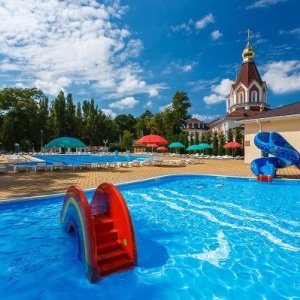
[{"x": 106, "y": 241}]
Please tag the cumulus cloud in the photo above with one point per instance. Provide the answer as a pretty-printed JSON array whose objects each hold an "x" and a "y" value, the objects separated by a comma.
[
  {"x": 128, "y": 102},
  {"x": 282, "y": 77},
  {"x": 220, "y": 92},
  {"x": 58, "y": 44}
]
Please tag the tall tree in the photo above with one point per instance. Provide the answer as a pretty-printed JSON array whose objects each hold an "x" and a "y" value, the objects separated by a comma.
[
  {"x": 71, "y": 122},
  {"x": 20, "y": 121},
  {"x": 179, "y": 111},
  {"x": 59, "y": 116},
  {"x": 126, "y": 122}
]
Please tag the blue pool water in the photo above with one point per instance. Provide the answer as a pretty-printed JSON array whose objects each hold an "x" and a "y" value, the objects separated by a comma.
[
  {"x": 198, "y": 237},
  {"x": 79, "y": 159}
]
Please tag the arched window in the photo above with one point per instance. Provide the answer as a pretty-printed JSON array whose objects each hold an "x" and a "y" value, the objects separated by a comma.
[
  {"x": 241, "y": 98},
  {"x": 254, "y": 96}
]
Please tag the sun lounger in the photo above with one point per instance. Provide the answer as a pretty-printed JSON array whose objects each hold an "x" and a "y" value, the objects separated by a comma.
[
  {"x": 124, "y": 164},
  {"x": 57, "y": 166},
  {"x": 41, "y": 166},
  {"x": 3, "y": 169},
  {"x": 135, "y": 163},
  {"x": 157, "y": 162},
  {"x": 18, "y": 168},
  {"x": 147, "y": 162}
]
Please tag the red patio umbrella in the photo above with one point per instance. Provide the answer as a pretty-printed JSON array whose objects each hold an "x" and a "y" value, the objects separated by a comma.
[
  {"x": 152, "y": 145},
  {"x": 152, "y": 139},
  {"x": 232, "y": 145},
  {"x": 162, "y": 148}
]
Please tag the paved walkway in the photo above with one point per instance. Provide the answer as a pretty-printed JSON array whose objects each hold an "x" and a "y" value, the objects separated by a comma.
[{"x": 26, "y": 184}]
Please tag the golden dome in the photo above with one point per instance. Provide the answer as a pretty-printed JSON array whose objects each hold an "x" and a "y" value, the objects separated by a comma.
[{"x": 248, "y": 53}]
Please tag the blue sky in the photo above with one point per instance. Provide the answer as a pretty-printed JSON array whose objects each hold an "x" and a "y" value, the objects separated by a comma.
[{"x": 133, "y": 55}]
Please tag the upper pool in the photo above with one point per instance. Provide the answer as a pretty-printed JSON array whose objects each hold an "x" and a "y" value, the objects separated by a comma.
[
  {"x": 198, "y": 237},
  {"x": 79, "y": 159}
]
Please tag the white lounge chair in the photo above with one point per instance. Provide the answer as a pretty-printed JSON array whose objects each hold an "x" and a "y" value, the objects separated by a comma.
[
  {"x": 41, "y": 166},
  {"x": 57, "y": 165},
  {"x": 3, "y": 169},
  {"x": 147, "y": 162},
  {"x": 19, "y": 168},
  {"x": 135, "y": 163}
]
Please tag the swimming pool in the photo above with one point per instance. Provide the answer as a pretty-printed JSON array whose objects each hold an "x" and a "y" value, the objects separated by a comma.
[
  {"x": 198, "y": 237},
  {"x": 80, "y": 159}
]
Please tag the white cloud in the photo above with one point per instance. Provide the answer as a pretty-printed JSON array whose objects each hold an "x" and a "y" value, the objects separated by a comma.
[
  {"x": 109, "y": 113},
  {"x": 58, "y": 44},
  {"x": 264, "y": 3},
  {"x": 295, "y": 31},
  {"x": 213, "y": 99},
  {"x": 162, "y": 108},
  {"x": 215, "y": 35},
  {"x": 282, "y": 77},
  {"x": 205, "y": 21},
  {"x": 220, "y": 92},
  {"x": 223, "y": 88},
  {"x": 205, "y": 118},
  {"x": 191, "y": 24},
  {"x": 128, "y": 102},
  {"x": 148, "y": 104}
]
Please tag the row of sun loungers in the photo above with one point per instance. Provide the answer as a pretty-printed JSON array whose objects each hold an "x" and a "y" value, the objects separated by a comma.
[{"x": 42, "y": 166}]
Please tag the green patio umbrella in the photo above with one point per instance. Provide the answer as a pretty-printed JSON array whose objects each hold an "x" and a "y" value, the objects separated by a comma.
[
  {"x": 194, "y": 147},
  {"x": 65, "y": 142},
  {"x": 205, "y": 146},
  {"x": 176, "y": 145}
]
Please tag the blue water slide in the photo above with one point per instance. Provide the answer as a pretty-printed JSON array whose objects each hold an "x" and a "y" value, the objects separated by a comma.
[{"x": 284, "y": 155}]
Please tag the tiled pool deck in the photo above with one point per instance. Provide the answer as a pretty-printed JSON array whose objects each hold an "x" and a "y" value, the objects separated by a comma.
[{"x": 26, "y": 184}]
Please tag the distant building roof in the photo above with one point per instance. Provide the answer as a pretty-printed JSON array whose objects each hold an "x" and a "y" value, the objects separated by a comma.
[{"x": 286, "y": 111}]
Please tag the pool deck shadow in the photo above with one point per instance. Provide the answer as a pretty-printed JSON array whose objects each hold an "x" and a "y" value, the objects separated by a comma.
[{"x": 27, "y": 184}]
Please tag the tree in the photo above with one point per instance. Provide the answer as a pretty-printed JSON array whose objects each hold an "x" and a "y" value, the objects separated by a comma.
[
  {"x": 20, "y": 117},
  {"x": 215, "y": 143},
  {"x": 141, "y": 127},
  {"x": 126, "y": 122},
  {"x": 71, "y": 120},
  {"x": 126, "y": 140},
  {"x": 178, "y": 112},
  {"x": 58, "y": 116},
  {"x": 221, "y": 144}
]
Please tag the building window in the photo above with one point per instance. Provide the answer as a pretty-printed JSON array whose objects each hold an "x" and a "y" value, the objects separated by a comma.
[
  {"x": 196, "y": 125},
  {"x": 254, "y": 96},
  {"x": 241, "y": 98},
  {"x": 190, "y": 125}
]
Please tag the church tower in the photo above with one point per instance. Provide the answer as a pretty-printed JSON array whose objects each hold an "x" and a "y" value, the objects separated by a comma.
[{"x": 248, "y": 94}]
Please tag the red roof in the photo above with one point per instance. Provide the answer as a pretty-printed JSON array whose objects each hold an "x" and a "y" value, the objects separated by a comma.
[{"x": 248, "y": 73}]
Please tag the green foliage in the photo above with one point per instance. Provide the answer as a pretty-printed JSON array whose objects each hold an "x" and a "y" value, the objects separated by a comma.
[
  {"x": 221, "y": 144},
  {"x": 27, "y": 118},
  {"x": 126, "y": 140},
  {"x": 215, "y": 143}
]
